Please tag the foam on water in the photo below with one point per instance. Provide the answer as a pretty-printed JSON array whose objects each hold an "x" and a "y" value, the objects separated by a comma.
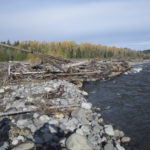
[{"x": 134, "y": 70}]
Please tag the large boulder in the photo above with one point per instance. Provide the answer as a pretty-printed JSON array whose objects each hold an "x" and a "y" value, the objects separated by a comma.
[
  {"x": 25, "y": 146},
  {"x": 109, "y": 130},
  {"x": 77, "y": 142},
  {"x": 86, "y": 105},
  {"x": 109, "y": 146},
  {"x": 118, "y": 134},
  {"x": 81, "y": 115}
]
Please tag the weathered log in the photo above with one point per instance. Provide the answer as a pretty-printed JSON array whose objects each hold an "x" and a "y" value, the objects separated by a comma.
[
  {"x": 27, "y": 73},
  {"x": 63, "y": 107},
  {"x": 114, "y": 74},
  {"x": 78, "y": 74},
  {"x": 8, "y": 69},
  {"x": 16, "y": 113}
]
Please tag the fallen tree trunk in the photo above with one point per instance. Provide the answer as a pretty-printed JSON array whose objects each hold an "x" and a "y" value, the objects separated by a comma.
[
  {"x": 27, "y": 73},
  {"x": 78, "y": 73},
  {"x": 63, "y": 107},
  {"x": 15, "y": 113}
]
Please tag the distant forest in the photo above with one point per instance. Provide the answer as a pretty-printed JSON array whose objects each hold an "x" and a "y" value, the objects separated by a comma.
[
  {"x": 67, "y": 50},
  {"x": 147, "y": 51}
]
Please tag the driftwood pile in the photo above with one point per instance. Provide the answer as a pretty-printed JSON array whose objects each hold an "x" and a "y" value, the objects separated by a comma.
[{"x": 77, "y": 72}]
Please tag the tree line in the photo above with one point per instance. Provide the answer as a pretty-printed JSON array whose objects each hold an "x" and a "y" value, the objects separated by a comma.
[{"x": 66, "y": 49}]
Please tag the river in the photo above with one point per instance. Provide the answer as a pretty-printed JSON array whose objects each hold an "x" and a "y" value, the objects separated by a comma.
[{"x": 125, "y": 103}]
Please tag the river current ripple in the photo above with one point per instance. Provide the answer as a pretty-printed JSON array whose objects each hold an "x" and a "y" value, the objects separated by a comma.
[{"x": 125, "y": 103}]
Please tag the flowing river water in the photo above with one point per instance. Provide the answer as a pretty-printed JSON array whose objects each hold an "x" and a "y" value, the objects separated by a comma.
[{"x": 125, "y": 103}]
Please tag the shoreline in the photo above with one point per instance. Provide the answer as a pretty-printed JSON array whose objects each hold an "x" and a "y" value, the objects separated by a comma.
[
  {"x": 55, "y": 114},
  {"x": 63, "y": 126}
]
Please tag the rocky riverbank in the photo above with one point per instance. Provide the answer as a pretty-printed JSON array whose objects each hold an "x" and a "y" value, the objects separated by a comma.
[{"x": 53, "y": 115}]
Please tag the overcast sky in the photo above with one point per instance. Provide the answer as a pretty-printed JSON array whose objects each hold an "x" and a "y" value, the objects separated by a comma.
[{"x": 122, "y": 23}]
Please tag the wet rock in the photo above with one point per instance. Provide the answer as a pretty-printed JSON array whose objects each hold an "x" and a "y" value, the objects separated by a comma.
[
  {"x": 77, "y": 142},
  {"x": 32, "y": 127},
  {"x": 94, "y": 138},
  {"x": 24, "y": 123},
  {"x": 53, "y": 129},
  {"x": 7, "y": 88},
  {"x": 18, "y": 104},
  {"x": 48, "y": 89},
  {"x": 126, "y": 140},
  {"x": 59, "y": 115},
  {"x": 86, "y": 105},
  {"x": 18, "y": 131},
  {"x": 1, "y": 96},
  {"x": 35, "y": 115},
  {"x": 44, "y": 118},
  {"x": 62, "y": 141},
  {"x": 4, "y": 145},
  {"x": 84, "y": 93},
  {"x": 90, "y": 117},
  {"x": 119, "y": 147},
  {"x": 85, "y": 129},
  {"x": 96, "y": 109},
  {"x": 94, "y": 123},
  {"x": 97, "y": 128},
  {"x": 43, "y": 135},
  {"x": 101, "y": 121},
  {"x": 4, "y": 129},
  {"x": 121, "y": 133},
  {"x": 79, "y": 131},
  {"x": 2, "y": 91},
  {"x": 107, "y": 107},
  {"x": 29, "y": 99},
  {"x": 104, "y": 139},
  {"x": 54, "y": 122},
  {"x": 30, "y": 137},
  {"x": 118, "y": 133},
  {"x": 47, "y": 137},
  {"x": 63, "y": 102},
  {"x": 25, "y": 146},
  {"x": 15, "y": 142},
  {"x": 79, "y": 84},
  {"x": 15, "y": 130},
  {"x": 20, "y": 138},
  {"x": 109, "y": 130},
  {"x": 71, "y": 124},
  {"x": 38, "y": 140},
  {"x": 109, "y": 147}
]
